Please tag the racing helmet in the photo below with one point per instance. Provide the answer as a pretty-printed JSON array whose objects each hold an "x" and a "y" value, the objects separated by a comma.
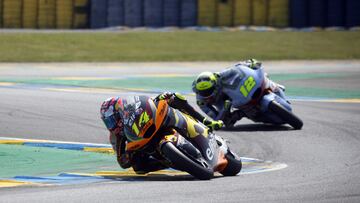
[
  {"x": 206, "y": 85},
  {"x": 110, "y": 112}
]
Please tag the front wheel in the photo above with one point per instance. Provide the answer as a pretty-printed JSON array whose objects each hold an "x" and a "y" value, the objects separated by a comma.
[
  {"x": 184, "y": 163},
  {"x": 286, "y": 115}
]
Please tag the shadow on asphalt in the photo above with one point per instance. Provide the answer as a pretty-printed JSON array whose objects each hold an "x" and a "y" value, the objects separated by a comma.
[
  {"x": 160, "y": 177},
  {"x": 258, "y": 127}
]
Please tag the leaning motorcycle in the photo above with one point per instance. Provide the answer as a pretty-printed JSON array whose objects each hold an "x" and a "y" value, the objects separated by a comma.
[
  {"x": 178, "y": 140},
  {"x": 258, "y": 101}
]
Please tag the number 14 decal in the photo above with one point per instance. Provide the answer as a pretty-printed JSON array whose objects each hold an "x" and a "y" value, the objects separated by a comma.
[{"x": 248, "y": 85}]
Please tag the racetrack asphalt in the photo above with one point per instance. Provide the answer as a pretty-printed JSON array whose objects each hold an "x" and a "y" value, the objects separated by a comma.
[{"x": 322, "y": 158}]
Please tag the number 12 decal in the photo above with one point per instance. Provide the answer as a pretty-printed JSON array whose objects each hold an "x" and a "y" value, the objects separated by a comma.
[{"x": 248, "y": 85}]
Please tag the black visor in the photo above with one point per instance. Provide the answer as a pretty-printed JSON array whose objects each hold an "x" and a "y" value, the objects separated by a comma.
[{"x": 207, "y": 92}]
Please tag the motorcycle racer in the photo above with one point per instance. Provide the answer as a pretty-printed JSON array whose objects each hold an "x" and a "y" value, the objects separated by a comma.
[
  {"x": 215, "y": 93},
  {"x": 113, "y": 113}
]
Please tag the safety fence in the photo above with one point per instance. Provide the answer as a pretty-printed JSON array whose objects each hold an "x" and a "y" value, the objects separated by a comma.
[{"x": 68, "y": 14}]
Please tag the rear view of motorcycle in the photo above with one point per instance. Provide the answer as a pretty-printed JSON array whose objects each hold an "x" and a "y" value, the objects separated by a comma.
[{"x": 179, "y": 141}]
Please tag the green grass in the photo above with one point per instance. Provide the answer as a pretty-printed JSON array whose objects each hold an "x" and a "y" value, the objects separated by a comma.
[{"x": 177, "y": 46}]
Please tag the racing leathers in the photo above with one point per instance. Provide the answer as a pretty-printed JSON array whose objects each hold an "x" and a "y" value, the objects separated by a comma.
[
  {"x": 143, "y": 163},
  {"x": 226, "y": 93}
]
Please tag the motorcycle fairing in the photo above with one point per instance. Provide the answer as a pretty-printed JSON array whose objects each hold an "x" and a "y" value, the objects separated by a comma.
[
  {"x": 146, "y": 123},
  {"x": 156, "y": 122},
  {"x": 196, "y": 133},
  {"x": 212, "y": 157},
  {"x": 181, "y": 143},
  {"x": 268, "y": 116},
  {"x": 243, "y": 90},
  {"x": 185, "y": 124}
]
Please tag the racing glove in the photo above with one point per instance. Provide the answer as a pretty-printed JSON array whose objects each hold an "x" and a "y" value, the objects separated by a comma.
[
  {"x": 253, "y": 64},
  {"x": 213, "y": 125},
  {"x": 169, "y": 95},
  {"x": 165, "y": 95}
]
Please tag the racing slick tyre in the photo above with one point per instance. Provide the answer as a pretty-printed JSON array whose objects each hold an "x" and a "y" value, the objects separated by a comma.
[
  {"x": 286, "y": 115},
  {"x": 184, "y": 163},
  {"x": 233, "y": 167}
]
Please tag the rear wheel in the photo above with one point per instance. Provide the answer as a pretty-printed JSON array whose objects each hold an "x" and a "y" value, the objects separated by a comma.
[
  {"x": 286, "y": 115},
  {"x": 233, "y": 167},
  {"x": 184, "y": 163}
]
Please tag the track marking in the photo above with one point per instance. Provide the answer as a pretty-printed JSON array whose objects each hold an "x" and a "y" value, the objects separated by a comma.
[
  {"x": 150, "y": 75},
  {"x": 344, "y": 100},
  {"x": 250, "y": 166},
  {"x": 94, "y": 90},
  {"x": 134, "y": 90},
  {"x": 14, "y": 183},
  {"x": 99, "y": 150},
  {"x": 326, "y": 100},
  {"x": 77, "y": 89},
  {"x": 7, "y": 84}
]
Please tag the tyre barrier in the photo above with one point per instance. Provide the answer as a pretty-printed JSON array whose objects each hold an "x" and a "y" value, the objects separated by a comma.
[
  {"x": 81, "y": 10},
  {"x": 29, "y": 14},
  {"x": 67, "y": 14},
  {"x": 225, "y": 12},
  {"x": 153, "y": 10},
  {"x": 46, "y": 14},
  {"x": 317, "y": 13},
  {"x": 353, "y": 13},
  {"x": 298, "y": 13},
  {"x": 171, "y": 12},
  {"x": 133, "y": 13},
  {"x": 1, "y": 13},
  {"x": 207, "y": 12},
  {"x": 12, "y": 13},
  {"x": 64, "y": 14},
  {"x": 242, "y": 12},
  {"x": 115, "y": 13},
  {"x": 188, "y": 15},
  {"x": 98, "y": 13},
  {"x": 278, "y": 15},
  {"x": 336, "y": 13},
  {"x": 259, "y": 15}
]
